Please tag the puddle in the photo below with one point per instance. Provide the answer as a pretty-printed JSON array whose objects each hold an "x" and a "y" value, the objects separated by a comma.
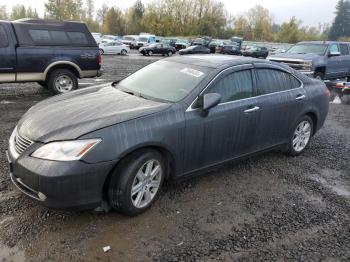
[
  {"x": 332, "y": 180},
  {"x": 8, "y": 254}
]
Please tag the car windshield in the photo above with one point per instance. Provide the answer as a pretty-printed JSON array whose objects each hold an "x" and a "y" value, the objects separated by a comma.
[
  {"x": 129, "y": 38},
  {"x": 316, "y": 49},
  {"x": 164, "y": 81},
  {"x": 143, "y": 39}
]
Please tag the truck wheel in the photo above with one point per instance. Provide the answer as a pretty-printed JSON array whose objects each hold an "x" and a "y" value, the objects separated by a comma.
[
  {"x": 62, "y": 81},
  {"x": 319, "y": 75},
  {"x": 42, "y": 83}
]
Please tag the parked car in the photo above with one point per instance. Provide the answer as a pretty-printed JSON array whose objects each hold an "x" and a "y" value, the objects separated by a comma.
[
  {"x": 215, "y": 44},
  {"x": 169, "y": 41},
  {"x": 145, "y": 39},
  {"x": 256, "y": 51},
  {"x": 169, "y": 120},
  {"x": 158, "y": 49},
  {"x": 237, "y": 40},
  {"x": 182, "y": 44},
  {"x": 110, "y": 38},
  {"x": 319, "y": 59},
  {"x": 130, "y": 40},
  {"x": 54, "y": 54},
  {"x": 231, "y": 50},
  {"x": 202, "y": 41},
  {"x": 114, "y": 48},
  {"x": 97, "y": 37},
  {"x": 195, "y": 49}
]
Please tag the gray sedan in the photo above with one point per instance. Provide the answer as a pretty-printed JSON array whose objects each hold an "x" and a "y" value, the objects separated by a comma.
[{"x": 116, "y": 144}]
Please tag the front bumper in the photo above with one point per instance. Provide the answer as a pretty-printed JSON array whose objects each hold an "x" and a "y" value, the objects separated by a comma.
[{"x": 60, "y": 185}]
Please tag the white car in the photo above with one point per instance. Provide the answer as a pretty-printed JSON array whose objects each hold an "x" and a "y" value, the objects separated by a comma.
[{"x": 114, "y": 48}]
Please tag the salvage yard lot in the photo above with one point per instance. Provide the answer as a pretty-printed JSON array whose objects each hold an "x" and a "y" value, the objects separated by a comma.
[{"x": 269, "y": 207}]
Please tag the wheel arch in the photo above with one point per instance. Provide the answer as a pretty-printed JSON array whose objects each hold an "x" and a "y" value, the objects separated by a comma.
[
  {"x": 63, "y": 65},
  {"x": 163, "y": 150},
  {"x": 314, "y": 119}
]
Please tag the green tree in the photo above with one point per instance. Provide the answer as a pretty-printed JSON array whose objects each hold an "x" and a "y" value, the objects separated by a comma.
[
  {"x": 114, "y": 22},
  {"x": 32, "y": 13},
  {"x": 290, "y": 32},
  {"x": 260, "y": 22},
  {"x": 135, "y": 16},
  {"x": 18, "y": 12},
  {"x": 341, "y": 24},
  {"x": 3, "y": 12},
  {"x": 90, "y": 7},
  {"x": 64, "y": 9}
]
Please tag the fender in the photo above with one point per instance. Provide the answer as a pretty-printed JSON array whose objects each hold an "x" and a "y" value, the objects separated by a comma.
[{"x": 62, "y": 62}]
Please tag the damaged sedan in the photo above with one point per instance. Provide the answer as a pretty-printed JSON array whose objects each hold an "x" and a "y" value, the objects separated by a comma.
[{"x": 118, "y": 143}]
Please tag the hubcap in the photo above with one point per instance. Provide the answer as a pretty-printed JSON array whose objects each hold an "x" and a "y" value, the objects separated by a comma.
[
  {"x": 64, "y": 84},
  {"x": 301, "y": 136},
  {"x": 146, "y": 183}
]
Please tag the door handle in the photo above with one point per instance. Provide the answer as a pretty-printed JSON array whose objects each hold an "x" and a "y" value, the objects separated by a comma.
[
  {"x": 300, "y": 97},
  {"x": 251, "y": 110}
]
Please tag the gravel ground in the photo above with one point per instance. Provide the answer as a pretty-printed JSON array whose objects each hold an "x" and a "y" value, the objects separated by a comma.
[{"x": 269, "y": 207}]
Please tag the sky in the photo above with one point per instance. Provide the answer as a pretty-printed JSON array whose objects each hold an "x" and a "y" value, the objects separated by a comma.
[{"x": 311, "y": 12}]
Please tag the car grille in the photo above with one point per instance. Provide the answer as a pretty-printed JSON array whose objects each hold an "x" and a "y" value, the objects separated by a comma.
[
  {"x": 22, "y": 143},
  {"x": 295, "y": 64}
]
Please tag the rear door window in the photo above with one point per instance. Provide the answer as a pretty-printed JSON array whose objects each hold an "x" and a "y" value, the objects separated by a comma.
[
  {"x": 235, "y": 86},
  {"x": 272, "y": 80},
  {"x": 4, "y": 42},
  {"x": 344, "y": 50}
]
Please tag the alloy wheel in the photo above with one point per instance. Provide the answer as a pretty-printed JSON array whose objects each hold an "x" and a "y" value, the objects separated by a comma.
[
  {"x": 146, "y": 183},
  {"x": 301, "y": 136}
]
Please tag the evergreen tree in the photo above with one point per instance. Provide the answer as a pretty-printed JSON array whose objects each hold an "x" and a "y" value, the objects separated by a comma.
[{"x": 341, "y": 24}]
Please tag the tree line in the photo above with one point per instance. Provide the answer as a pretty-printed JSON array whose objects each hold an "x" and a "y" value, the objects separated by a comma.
[{"x": 188, "y": 18}]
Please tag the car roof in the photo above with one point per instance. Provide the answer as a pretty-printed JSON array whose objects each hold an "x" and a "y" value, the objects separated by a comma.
[{"x": 215, "y": 61}]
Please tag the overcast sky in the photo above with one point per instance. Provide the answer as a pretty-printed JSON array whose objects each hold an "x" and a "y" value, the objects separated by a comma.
[{"x": 311, "y": 12}]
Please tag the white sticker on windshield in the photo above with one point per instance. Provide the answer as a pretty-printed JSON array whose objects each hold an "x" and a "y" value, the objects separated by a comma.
[{"x": 192, "y": 72}]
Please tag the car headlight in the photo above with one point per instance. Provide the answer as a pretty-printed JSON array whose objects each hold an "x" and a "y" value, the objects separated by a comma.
[{"x": 66, "y": 150}]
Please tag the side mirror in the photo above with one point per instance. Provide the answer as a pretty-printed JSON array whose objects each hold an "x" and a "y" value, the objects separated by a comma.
[
  {"x": 334, "y": 54},
  {"x": 209, "y": 101}
]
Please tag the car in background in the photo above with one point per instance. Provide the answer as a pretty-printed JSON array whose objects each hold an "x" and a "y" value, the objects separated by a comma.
[
  {"x": 195, "y": 49},
  {"x": 174, "y": 118},
  {"x": 157, "y": 49},
  {"x": 110, "y": 38},
  {"x": 130, "y": 40},
  {"x": 216, "y": 45},
  {"x": 256, "y": 52},
  {"x": 169, "y": 41},
  {"x": 145, "y": 39},
  {"x": 114, "y": 48},
  {"x": 324, "y": 60},
  {"x": 182, "y": 44},
  {"x": 55, "y": 54},
  {"x": 232, "y": 49},
  {"x": 97, "y": 37}
]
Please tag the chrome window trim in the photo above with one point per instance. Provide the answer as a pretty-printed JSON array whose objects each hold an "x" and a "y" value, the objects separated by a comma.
[{"x": 190, "y": 109}]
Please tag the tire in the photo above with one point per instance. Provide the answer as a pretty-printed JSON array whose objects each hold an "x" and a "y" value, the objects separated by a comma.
[
  {"x": 319, "y": 76},
  {"x": 295, "y": 149},
  {"x": 123, "y": 52},
  {"x": 68, "y": 84},
  {"x": 170, "y": 53},
  {"x": 42, "y": 83},
  {"x": 150, "y": 53},
  {"x": 125, "y": 177}
]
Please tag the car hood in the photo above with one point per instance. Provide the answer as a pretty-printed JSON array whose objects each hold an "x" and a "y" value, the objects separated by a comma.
[
  {"x": 295, "y": 56},
  {"x": 72, "y": 115}
]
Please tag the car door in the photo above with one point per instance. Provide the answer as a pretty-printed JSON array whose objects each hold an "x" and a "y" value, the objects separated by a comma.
[
  {"x": 8, "y": 57},
  {"x": 280, "y": 98},
  {"x": 333, "y": 69},
  {"x": 345, "y": 60},
  {"x": 227, "y": 131}
]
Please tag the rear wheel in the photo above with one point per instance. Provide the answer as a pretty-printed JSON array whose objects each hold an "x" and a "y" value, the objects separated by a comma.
[
  {"x": 150, "y": 53},
  {"x": 123, "y": 52},
  {"x": 170, "y": 53},
  {"x": 301, "y": 136},
  {"x": 136, "y": 182},
  {"x": 62, "y": 81}
]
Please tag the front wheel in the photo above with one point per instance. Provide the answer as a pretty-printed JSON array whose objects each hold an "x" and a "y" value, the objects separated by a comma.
[
  {"x": 136, "y": 182},
  {"x": 150, "y": 53},
  {"x": 123, "y": 52},
  {"x": 170, "y": 53},
  {"x": 301, "y": 136}
]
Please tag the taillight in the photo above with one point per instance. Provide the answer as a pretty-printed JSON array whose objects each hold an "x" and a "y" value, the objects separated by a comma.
[
  {"x": 327, "y": 93},
  {"x": 99, "y": 58}
]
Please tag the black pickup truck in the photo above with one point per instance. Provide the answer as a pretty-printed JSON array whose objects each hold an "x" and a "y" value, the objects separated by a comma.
[{"x": 53, "y": 53}]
